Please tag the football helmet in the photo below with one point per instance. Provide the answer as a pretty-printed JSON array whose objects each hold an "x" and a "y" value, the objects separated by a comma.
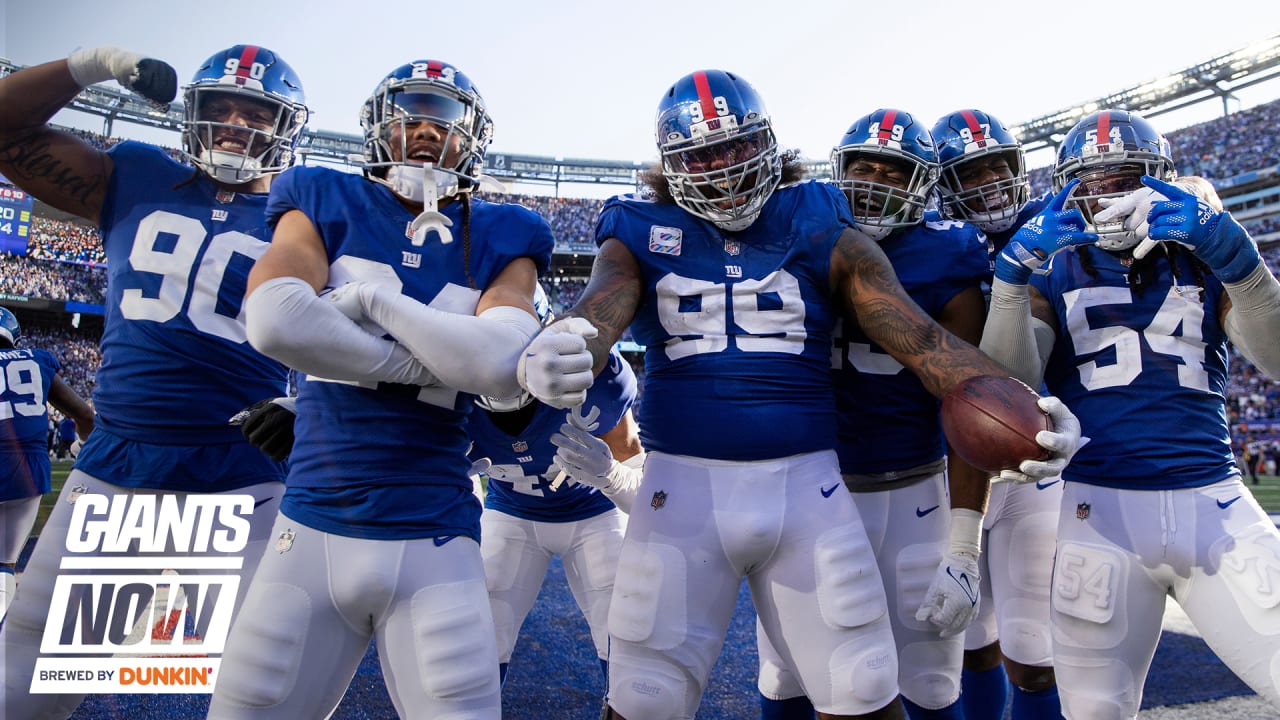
[
  {"x": 541, "y": 306},
  {"x": 9, "y": 327},
  {"x": 256, "y": 75},
  {"x": 433, "y": 92},
  {"x": 718, "y": 152},
  {"x": 891, "y": 136},
  {"x": 1110, "y": 151},
  {"x": 968, "y": 142}
]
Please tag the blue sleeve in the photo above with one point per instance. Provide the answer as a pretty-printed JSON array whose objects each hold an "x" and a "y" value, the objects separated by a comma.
[{"x": 613, "y": 392}]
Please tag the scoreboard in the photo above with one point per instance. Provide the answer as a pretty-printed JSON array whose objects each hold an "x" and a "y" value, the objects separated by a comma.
[{"x": 15, "y": 220}]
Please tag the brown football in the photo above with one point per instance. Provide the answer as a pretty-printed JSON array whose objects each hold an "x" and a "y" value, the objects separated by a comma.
[{"x": 991, "y": 421}]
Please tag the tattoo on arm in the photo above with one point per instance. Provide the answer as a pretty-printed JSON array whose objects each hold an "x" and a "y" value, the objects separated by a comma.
[
  {"x": 609, "y": 302},
  {"x": 37, "y": 163}
]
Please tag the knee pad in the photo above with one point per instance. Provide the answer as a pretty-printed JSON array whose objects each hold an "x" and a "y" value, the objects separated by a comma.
[
  {"x": 864, "y": 673},
  {"x": 1095, "y": 707},
  {"x": 650, "y": 584},
  {"x": 1086, "y": 582},
  {"x": 644, "y": 686},
  {"x": 1024, "y": 632},
  {"x": 929, "y": 672},
  {"x": 454, "y": 641},
  {"x": 777, "y": 682},
  {"x": 849, "y": 588},
  {"x": 913, "y": 569},
  {"x": 260, "y": 667},
  {"x": 1253, "y": 550}
]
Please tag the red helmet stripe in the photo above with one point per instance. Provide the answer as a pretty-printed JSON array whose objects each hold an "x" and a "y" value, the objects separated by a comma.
[
  {"x": 704, "y": 95},
  {"x": 1104, "y": 127},
  {"x": 434, "y": 68},
  {"x": 246, "y": 62},
  {"x": 886, "y": 124},
  {"x": 975, "y": 127}
]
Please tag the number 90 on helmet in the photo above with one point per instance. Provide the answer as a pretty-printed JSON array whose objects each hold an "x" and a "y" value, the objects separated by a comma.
[
  {"x": 718, "y": 152},
  {"x": 1109, "y": 152}
]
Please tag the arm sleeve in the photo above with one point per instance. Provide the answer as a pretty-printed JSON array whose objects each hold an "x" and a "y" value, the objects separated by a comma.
[
  {"x": 285, "y": 320},
  {"x": 1009, "y": 336},
  {"x": 1253, "y": 322},
  {"x": 472, "y": 353},
  {"x": 624, "y": 482}
]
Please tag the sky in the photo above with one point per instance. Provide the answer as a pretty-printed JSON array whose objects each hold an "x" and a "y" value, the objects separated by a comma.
[{"x": 579, "y": 79}]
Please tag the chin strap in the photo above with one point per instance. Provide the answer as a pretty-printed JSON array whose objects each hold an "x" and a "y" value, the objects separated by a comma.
[{"x": 430, "y": 219}]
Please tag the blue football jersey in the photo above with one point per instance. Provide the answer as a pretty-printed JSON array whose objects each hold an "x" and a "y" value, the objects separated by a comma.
[
  {"x": 1145, "y": 371},
  {"x": 378, "y": 460},
  {"x": 737, "y": 326},
  {"x": 888, "y": 421},
  {"x": 25, "y": 377},
  {"x": 521, "y": 474},
  {"x": 175, "y": 360}
]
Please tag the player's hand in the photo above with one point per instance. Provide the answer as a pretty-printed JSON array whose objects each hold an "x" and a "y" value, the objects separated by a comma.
[
  {"x": 353, "y": 300},
  {"x": 582, "y": 456},
  {"x": 1062, "y": 442},
  {"x": 268, "y": 424},
  {"x": 1043, "y": 235},
  {"x": 74, "y": 449},
  {"x": 153, "y": 79},
  {"x": 1215, "y": 237},
  {"x": 951, "y": 602},
  {"x": 556, "y": 367}
]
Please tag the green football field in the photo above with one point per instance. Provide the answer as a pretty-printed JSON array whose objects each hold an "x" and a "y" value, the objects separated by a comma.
[{"x": 1267, "y": 492}]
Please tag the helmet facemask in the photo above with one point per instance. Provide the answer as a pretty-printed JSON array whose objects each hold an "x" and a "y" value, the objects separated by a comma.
[
  {"x": 879, "y": 208},
  {"x": 723, "y": 176},
  {"x": 259, "y": 139},
  {"x": 993, "y": 206}
]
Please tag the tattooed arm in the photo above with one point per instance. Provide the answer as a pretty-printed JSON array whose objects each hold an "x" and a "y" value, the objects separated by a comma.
[
  {"x": 864, "y": 282},
  {"x": 611, "y": 298},
  {"x": 56, "y": 167}
]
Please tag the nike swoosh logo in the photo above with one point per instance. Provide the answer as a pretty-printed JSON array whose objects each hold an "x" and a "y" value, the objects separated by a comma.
[
  {"x": 1042, "y": 485},
  {"x": 922, "y": 513},
  {"x": 826, "y": 492},
  {"x": 264, "y": 501},
  {"x": 1227, "y": 504},
  {"x": 965, "y": 584}
]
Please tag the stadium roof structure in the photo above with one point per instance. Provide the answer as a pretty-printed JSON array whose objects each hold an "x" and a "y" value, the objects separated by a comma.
[{"x": 1214, "y": 78}]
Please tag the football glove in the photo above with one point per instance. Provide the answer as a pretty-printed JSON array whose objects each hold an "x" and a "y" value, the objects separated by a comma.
[
  {"x": 951, "y": 602},
  {"x": 1062, "y": 442},
  {"x": 556, "y": 367},
  {"x": 1214, "y": 237},
  {"x": 268, "y": 424},
  {"x": 1043, "y": 235},
  {"x": 153, "y": 79}
]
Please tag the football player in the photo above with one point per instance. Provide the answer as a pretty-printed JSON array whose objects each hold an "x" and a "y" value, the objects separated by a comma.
[
  {"x": 1128, "y": 323},
  {"x": 378, "y": 534},
  {"x": 734, "y": 273},
  {"x": 984, "y": 182},
  {"x": 890, "y": 444},
  {"x": 179, "y": 240},
  {"x": 31, "y": 384}
]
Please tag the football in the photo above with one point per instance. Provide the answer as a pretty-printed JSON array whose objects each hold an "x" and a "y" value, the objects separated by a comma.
[{"x": 991, "y": 422}]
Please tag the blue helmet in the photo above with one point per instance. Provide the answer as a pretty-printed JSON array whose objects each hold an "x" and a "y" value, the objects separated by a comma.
[
  {"x": 433, "y": 92},
  {"x": 9, "y": 328},
  {"x": 1109, "y": 151},
  {"x": 718, "y": 152},
  {"x": 969, "y": 143},
  {"x": 253, "y": 74},
  {"x": 892, "y": 136}
]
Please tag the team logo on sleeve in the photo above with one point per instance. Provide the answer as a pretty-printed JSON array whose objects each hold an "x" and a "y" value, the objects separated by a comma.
[
  {"x": 665, "y": 240},
  {"x": 659, "y": 499}
]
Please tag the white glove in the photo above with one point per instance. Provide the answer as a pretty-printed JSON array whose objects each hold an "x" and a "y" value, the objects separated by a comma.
[
  {"x": 1063, "y": 442},
  {"x": 951, "y": 602},
  {"x": 556, "y": 367},
  {"x": 586, "y": 459},
  {"x": 74, "y": 450},
  {"x": 350, "y": 299},
  {"x": 1134, "y": 208},
  {"x": 153, "y": 79}
]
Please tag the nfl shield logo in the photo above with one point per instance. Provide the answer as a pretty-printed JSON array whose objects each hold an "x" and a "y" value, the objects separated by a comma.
[
  {"x": 1082, "y": 511},
  {"x": 732, "y": 247},
  {"x": 75, "y": 493},
  {"x": 659, "y": 499},
  {"x": 284, "y": 543},
  {"x": 520, "y": 446},
  {"x": 225, "y": 196}
]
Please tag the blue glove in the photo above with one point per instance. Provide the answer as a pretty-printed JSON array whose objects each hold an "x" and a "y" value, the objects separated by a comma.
[
  {"x": 1215, "y": 237},
  {"x": 1043, "y": 235}
]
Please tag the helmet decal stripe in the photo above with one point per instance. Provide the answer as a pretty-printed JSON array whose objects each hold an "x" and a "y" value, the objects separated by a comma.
[
  {"x": 886, "y": 124},
  {"x": 434, "y": 68},
  {"x": 975, "y": 127},
  {"x": 1104, "y": 128},
  {"x": 246, "y": 63},
  {"x": 704, "y": 95}
]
